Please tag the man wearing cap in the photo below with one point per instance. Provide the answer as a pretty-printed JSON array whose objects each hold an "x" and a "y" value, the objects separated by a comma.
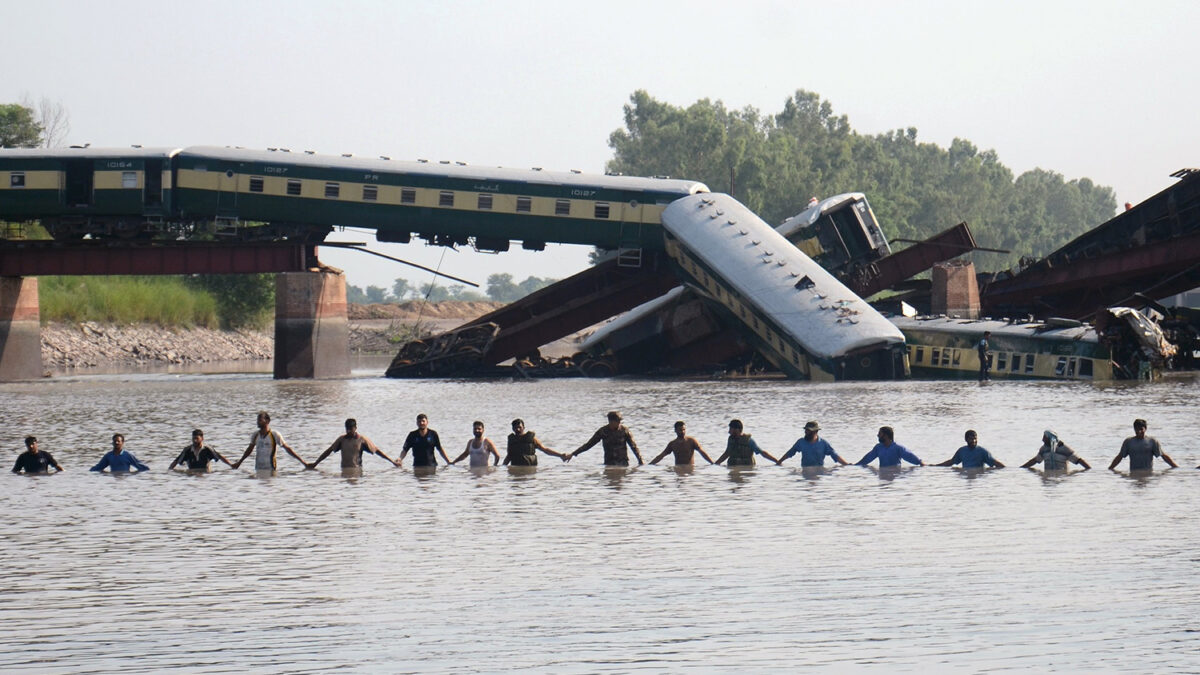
[
  {"x": 1141, "y": 450},
  {"x": 971, "y": 456},
  {"x": 888, "y": 451},
  {"x": 740, "y": 449},
  {"x": 812, "y": 448},
  {"x": 1054, "y": 454},
  {"x": 615, "y": 437}
]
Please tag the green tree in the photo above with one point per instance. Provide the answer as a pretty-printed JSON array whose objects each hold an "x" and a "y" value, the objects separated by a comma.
[
  {"x": 18, "y": 127},
  {"x": 243, "y": 300},
  {"x": 356, "y": 295},
  {"x": 376, "y": 294},
  {"x": 435, "y": 293},
  {"x": 400, "y": 289},
  {"x": 500, "y": 287}
]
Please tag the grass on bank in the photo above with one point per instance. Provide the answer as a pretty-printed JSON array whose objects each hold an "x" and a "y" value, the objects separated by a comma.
[{"x": 164, "y": 301}]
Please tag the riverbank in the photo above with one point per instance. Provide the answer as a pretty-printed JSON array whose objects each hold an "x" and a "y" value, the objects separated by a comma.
[{"x": 374, "y": 329}]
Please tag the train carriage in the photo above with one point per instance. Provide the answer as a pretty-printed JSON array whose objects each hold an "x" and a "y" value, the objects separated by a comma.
[
  {"x": 458, "y": 202},
  {"x": 78, "y": 191},
  {"x": 801, "y": 318}
]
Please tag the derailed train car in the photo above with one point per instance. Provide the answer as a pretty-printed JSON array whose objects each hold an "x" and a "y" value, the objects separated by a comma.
[
  {"x": 840, "y": 233},
  {"x": 798, "y": 316}
]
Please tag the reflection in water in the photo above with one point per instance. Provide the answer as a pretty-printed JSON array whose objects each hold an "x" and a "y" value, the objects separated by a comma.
[{"x": 379, "y": 570}]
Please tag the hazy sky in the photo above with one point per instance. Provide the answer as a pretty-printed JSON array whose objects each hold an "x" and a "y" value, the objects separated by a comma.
[{"x": 1099, "y": 89}]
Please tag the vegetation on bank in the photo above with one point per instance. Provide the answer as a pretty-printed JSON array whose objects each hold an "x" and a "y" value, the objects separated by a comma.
[
  {"x": 242, "y": 301},
  {"x": 774, "y": 163}
]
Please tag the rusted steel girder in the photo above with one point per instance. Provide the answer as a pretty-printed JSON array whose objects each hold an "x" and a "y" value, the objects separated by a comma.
[
  {"x": 891, "y": 270},
  {"x": 573, "y": 304},
  {"x": 38, "y": 258},
  {"x": 1079, "y": 288}
]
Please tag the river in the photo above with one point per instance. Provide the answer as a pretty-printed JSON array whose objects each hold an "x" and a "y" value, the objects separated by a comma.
[{"x": 573, "y": 568}]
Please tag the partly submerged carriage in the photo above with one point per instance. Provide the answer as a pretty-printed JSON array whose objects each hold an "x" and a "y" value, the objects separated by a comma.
[{"x": 802, "y": 319}]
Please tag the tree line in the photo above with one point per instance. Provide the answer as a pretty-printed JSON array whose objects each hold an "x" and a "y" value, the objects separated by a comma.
[
  {"x": 500, "y": 288},
  {"x": 775, "y": 163}
]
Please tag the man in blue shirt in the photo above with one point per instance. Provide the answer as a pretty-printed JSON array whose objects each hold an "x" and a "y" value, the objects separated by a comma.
[
  {"x": 117, "y": 460},
  {"x": 971, "y": 456},
  {"x": 812, "y": 448},
  {"x": 889, "y": 452}
]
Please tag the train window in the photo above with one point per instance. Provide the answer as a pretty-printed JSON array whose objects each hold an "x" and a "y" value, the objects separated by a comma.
[
  {"x": 408, "y": 196},
  {"x": 945, "y": 357},
  {"x": 370, "y": 193},
  {"x": 1016, "y": 363},
  {"x": 445, "y": 198},
  {"x": 920, "y": 355},
  {"x": 524, "y": 204},
  {"x": 128, "y": 179},
  {"x": 293, "y": 186},
  {"x": 1060, "y": 368},
  {"x": 601, "y": 210},
  {"x": 256, "y": 184},
  {"x": 957, "y": 356},
  {"x": 484, "y": 203},
  {"x": 1085, "y": 367},
  {"x": 332, "y": 190},
  {"x": 1028, "y": 363},
  {"x": 562, "y": 207},
  {"x": 1071, "y": 367},
  {"x": 934, "y": 354},
  {"x": 1002, "y": 361},
  {"x": 17, "y": 179}
]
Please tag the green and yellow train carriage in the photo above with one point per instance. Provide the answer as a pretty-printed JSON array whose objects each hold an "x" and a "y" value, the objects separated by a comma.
[
  {"x": 446, "y": 203},
  {"x": 78, "y": 191},
  {"x": 945, "y": 348}
]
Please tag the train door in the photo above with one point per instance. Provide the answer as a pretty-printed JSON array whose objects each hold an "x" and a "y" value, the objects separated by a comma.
[
  {"x": 629, "y": 247},
  {"x": 227, "y": 191},
  {"x": 80, "y": 176},
  {"x": 153, "y": 186}
]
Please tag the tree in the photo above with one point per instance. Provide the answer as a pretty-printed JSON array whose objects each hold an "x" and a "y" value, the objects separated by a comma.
[
  {"x": 52, "y": 117},
  {"x": 376, "y": 294},
  {"x": 355, "y": 295},
  {"x": 500, "y": 287},
  {"x": 18, "y": 127},
  {"x": 400, "y": 289},
  {"x": 434, "y": 293},
  {"x": 243, "y": 300}
]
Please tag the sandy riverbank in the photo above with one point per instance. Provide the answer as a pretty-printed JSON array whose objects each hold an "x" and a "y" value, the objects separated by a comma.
[{"x": 372, "y": 328}]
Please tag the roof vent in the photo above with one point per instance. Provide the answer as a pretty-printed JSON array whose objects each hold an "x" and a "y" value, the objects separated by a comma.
[
  {"x": 347, "y": 154},
  {"x": 384, "y": 157},
  {"x": 310, "y": 152}
]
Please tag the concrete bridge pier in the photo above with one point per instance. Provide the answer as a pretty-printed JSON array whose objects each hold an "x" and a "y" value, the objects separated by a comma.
[
  {"x": 312, "y": 333},
  {"x": 20, "y": 329}
]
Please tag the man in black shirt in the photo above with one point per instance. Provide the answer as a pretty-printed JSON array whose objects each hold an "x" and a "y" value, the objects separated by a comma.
[
  {"x": 34, "y": 460},
  {"x": 422, "y": 441},
  {"x": 197, "y": 455}
]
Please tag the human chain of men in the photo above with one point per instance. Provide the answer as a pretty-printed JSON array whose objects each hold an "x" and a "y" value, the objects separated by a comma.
[{"x": 615, "y": 438}]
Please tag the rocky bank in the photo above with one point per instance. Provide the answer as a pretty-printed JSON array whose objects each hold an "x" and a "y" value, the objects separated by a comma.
[{"x": 372, "y": 331}]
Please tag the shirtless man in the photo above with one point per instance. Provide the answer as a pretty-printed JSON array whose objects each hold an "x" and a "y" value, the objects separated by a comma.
[
  {"x": 264, "y": 443},
  {"x": 352, "y": 444},
  {"x": 684, "y": 447}
]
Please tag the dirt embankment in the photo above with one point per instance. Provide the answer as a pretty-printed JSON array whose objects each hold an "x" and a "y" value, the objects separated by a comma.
[{"x": 372, "y": 331}]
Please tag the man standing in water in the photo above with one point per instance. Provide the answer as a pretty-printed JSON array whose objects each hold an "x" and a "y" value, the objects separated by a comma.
[
  {"x": 34, "y": 460},
  {"x": 422, "y": 441},
  {"x": 684, "y": 447},
  {"x": 478, "y": 448},
  {"x": 812, "y": 448},
  {"x": 522, "y": 445},
  {"x": 740, "y": 449},
  {"x": 264, "y": 443},
  {"x": 615, "y": 437},
  {"x": 985, "y": 356},
  {"x": 889, "y": 452},
  {"x": 1141, "y": 450},
  {"x": 117, "y": 460},
  {"x": 1054, "y": 454},
  {"x": 197, "y": 455},
  {"x": 971, "y": 456},
  {"x": 351, "y": 444}
]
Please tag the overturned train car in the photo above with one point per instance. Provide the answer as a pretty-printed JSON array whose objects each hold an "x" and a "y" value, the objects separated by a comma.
[{"x": 795, "y": 313}]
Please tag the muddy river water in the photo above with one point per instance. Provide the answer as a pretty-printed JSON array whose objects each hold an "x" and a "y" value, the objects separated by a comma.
[{"x": 574, "y": 568}]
